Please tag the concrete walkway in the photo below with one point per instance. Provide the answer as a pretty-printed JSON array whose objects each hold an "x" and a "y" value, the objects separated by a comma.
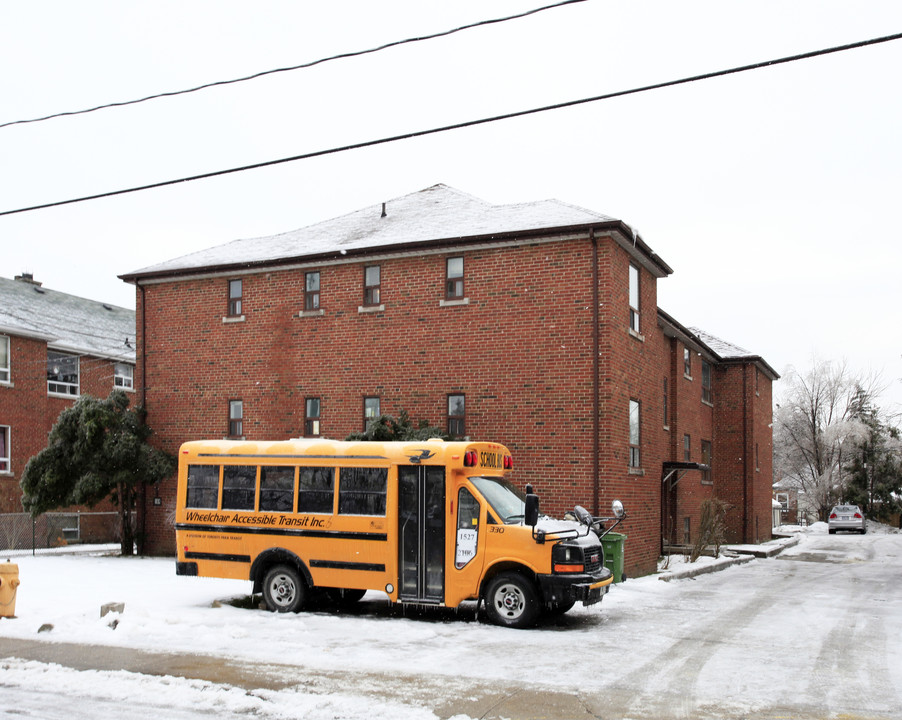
[{"x": 445, "y": 697}]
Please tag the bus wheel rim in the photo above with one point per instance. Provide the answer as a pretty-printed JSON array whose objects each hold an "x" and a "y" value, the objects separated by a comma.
[
  {"x": 510, "y": 601},
  {"x": 282, "y": 590}
]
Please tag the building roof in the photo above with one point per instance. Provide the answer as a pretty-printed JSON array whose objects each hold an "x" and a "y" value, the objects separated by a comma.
[
  {"x": 438, "y": 215},
  {"x": 719, "y": 350},
  {"x": 66, "y": 322},
  {"x": 726, "y": 350}
]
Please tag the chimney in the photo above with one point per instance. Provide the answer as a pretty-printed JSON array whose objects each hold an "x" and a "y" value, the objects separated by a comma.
[{"x": 27, "y": 277}]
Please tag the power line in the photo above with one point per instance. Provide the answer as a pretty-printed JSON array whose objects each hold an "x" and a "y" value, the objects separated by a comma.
[
  {"x": 461, "y": 125},
  {"x": 340, "y": 56}
]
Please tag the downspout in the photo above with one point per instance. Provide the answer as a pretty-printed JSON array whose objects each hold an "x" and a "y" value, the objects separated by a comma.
[
  {"x": 596, "y": 379},
  {"x": 745, "y": 457},
  {"x": 142, "y": 490}
]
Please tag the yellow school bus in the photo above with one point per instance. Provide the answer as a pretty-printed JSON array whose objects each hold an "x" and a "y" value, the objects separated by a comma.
[{"x": 428, "y": 523}]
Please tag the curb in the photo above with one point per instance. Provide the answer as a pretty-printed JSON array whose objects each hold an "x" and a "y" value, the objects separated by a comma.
[{"x": 739, "y": 555}]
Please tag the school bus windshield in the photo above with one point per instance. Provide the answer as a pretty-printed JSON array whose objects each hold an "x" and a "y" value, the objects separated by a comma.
[{"x": 507, "y": 500}]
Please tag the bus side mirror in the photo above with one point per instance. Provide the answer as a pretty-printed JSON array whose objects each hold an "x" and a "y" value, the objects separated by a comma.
[
  {"x": 617, "y": 509},
  {"x": 531, "y": 515}
]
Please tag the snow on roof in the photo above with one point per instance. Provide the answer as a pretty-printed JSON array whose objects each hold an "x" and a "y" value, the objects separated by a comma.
[
  {"x": 437, "y": 213},
  {"x": 67, "y": 322},
  {"x": 723, "y": 348}
]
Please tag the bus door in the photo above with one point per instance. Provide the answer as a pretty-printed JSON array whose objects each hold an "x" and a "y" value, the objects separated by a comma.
[{"x": 421, "y": 532}]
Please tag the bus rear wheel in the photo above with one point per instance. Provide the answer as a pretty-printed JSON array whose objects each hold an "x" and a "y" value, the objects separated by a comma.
[
  {"x": 511, "y": 601},
  {"x": 283, "y": 589}
]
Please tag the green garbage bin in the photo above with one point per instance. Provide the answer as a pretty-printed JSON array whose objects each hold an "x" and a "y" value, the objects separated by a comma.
[{"x": 612, "y": 544}]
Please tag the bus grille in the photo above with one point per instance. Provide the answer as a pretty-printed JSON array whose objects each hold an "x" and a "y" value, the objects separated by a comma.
[{"x": 593, "y": 561}]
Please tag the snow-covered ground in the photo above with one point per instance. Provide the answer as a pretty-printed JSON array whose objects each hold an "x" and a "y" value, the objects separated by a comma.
[{"x": 60, "y": 599}]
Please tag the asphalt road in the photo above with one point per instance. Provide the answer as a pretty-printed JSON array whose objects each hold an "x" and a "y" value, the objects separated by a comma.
[{"x": 815, "y": 632}]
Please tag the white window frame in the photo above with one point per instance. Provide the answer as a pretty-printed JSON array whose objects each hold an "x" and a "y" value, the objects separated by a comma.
[
  {"x": 635, "y": 434},
  {"x": 634, "y": 300},
  {"x": 5, "y": 370},
  {"x": 6, "y": 467},
  {"x": 61, "y": 388},
  {"x": 124, "y": 380}
]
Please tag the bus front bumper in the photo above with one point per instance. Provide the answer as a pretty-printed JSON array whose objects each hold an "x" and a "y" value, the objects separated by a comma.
[
  {"x": 587, "y": 589},
  {"x": 186, "y": 568}
]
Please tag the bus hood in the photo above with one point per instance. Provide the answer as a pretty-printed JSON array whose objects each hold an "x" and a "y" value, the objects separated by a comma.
[{"x": 566, "y": 529}]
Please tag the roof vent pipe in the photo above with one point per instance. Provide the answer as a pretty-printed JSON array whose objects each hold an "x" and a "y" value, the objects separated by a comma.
[{"x": 383, "y": 210}]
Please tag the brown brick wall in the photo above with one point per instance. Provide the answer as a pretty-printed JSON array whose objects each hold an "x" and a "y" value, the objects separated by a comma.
[
  {"x": 30, "y": 412},
  {"x": 521, "y": 351}
]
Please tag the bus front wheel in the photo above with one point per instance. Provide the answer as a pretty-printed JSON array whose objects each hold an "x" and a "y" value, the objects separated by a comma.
[
  {"x": 283, "y": 589},
  {"x": 511, "y": 600}
]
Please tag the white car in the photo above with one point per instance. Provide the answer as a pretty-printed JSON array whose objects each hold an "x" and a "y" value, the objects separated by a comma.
[{"x": 847, "y": 517}]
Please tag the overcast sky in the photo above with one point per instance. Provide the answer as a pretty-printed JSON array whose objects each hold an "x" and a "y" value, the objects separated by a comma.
[{"x": 773, "y": 194}]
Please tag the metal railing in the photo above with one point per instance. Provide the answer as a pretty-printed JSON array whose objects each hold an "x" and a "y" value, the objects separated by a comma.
[{"x": 19, "y": 531}]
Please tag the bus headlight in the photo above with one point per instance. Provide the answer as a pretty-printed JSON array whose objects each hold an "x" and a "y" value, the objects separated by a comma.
[{"x": 567, "y": 559}]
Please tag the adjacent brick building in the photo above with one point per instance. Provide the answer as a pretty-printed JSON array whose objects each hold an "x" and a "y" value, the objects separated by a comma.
[
  {"x": 54, "y": 347},
  {"x": 533, "y": 324}
]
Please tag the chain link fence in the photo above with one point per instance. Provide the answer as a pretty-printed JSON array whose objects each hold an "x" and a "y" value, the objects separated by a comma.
[{"x": 19, "y": 531}]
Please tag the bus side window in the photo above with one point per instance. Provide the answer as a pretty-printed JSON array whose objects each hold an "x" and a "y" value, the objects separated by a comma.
[
  {"x": 276, "y": 489},
  {"x": 203, "y": 486},
  {"x": 467, "y": 528},
  {"x": 361, "y": 491},
  {"x": 316, "y": 489},
  {"x": 239, "y": 486}
]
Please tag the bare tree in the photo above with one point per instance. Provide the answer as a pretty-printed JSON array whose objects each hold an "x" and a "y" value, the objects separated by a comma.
[{"x": 818, "y": 421}]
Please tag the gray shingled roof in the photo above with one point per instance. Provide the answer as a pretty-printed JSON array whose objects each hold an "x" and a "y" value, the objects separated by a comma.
[
  {"x": 435, "y": 214},
  {"x": 67, "y": 322}
]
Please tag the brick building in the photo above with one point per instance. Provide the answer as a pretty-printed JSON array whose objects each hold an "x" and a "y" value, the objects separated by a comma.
[
  {"x": 533, "y": 324},
  {"x": 53, "y": 348}
]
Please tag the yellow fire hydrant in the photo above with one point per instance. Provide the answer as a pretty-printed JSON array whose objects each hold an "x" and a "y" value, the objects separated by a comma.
[{"x": 9, "y": 581}]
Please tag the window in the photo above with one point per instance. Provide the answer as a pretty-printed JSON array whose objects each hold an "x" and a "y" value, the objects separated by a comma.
[
  {"x": 236, "y": 418},
  {"x": 687, "y": 362},
  {"x": 361, "y": 491},
  {"x": 457, "y": 415},
  {"x": 311, "y": 291},
  {"x": 4, "y": 358},
  {"x": 239, "y": 483},
  {"x": 276, "y": 489},
  {"x": 634, "y": 298},
  {"x": 370, "y": 411},
  {"x": 706, "y": 381},
  {"x": 687, "y": 448},
  {"x": 316, "y": 489},
  {"x": 124, "y": 376},
  {"x": 5, "y": 465},
  {"x": 235, "y": 298},
  {"x": 311, "y": 417},
  {"x": 783, "y": 499},
  {"x": 666, "y": 414},
  {"x": 706, "y": 460},
  {"x": 454, "y": 279},
  {"x": 203, "y": 486},
  {"x": 634, "y": 434},
  {"x": 467, "y": 528},
  {"x": 372, "y": 282},
  {"x": 62, "y": 373}
]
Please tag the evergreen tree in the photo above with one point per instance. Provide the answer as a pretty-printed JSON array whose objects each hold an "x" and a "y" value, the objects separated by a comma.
[
  {"x": 388, "y": 427},
  {"x": 875, "y": 472},
  {"x": 96, "y": 449}
]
